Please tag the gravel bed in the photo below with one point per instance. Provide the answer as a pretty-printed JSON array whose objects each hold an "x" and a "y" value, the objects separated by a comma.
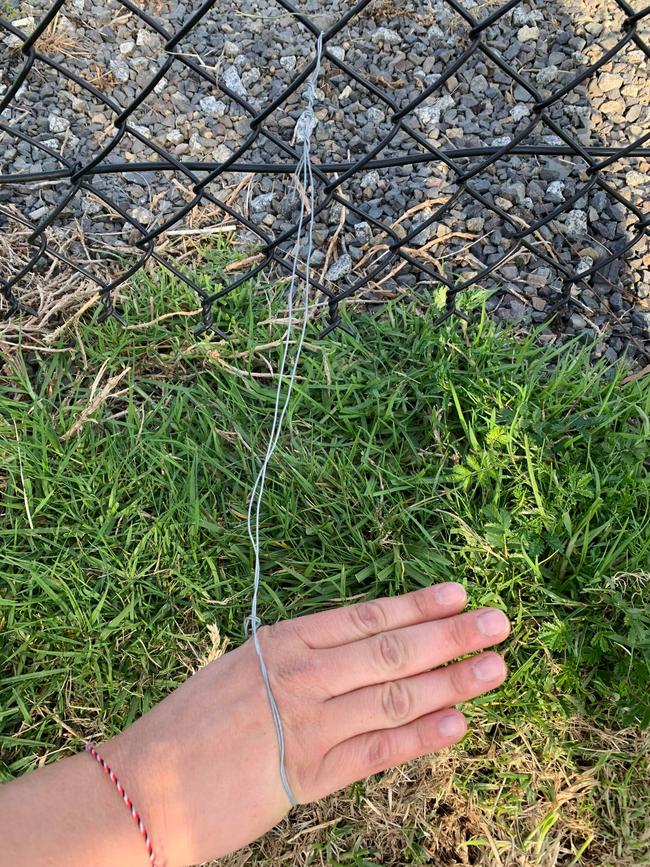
[{"x": 255, "y": 50}]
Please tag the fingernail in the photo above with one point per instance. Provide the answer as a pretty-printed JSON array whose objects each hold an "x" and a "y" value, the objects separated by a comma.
[
  {"x": 449, "y": 594},
  {"x": 488, "y": 667},
  {"x": 492, "y": 622},
  {"x": 451, "y": 726}
]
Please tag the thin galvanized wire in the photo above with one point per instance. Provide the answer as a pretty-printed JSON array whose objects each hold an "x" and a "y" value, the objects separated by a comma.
[
  {"x": 282, "y": 400},
  {"x": 81, "y": 176}
]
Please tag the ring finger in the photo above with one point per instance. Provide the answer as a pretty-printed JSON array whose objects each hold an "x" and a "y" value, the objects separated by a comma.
[{"x": 397, "y": 702}]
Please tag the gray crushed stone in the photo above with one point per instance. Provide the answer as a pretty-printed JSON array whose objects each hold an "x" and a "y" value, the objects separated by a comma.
[{"x": 255, "y": 50}]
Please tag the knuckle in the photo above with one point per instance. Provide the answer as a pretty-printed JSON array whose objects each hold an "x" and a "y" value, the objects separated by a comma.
[
  {"x": 369, "y": 617},
  {"x": 424, "y": 737},
  {"x": 423, "y": 608},
  {"x": 396, "y": 701},
  {"x": 391, "y": 652},
  {"x": 457, "y": 679},
  {"x": 378, "y": 751},
  {"x": 459, "y": 633}
]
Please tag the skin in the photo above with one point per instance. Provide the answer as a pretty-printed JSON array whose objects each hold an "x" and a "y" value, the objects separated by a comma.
[{"x": 360, "y": 689}]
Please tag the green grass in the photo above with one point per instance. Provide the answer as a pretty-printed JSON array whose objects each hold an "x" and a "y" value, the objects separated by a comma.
[
  {"x": 9, "y": 10},
  {"x": 410, "y": 455}
]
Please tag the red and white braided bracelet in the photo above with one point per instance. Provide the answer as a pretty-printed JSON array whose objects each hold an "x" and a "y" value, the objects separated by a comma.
[{"x": 137, "y": 818}]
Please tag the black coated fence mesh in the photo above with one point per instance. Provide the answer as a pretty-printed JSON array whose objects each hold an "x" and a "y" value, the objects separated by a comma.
[{"x": 419, "y": 247}]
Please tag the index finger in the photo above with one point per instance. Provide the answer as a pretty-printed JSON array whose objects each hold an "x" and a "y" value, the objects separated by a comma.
[{"x": 365, "y": 619}]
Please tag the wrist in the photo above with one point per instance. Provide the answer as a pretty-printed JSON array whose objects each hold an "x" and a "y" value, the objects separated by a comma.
[
  {"x": 202, "y": 765},
  {"x": 143, "y": 766},
  {"x": 139, "y": 821},
  {"x": 67, "y": 814}
]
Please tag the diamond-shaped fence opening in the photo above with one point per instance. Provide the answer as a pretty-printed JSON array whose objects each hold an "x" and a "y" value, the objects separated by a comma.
[{"x": 499, "y": 145}]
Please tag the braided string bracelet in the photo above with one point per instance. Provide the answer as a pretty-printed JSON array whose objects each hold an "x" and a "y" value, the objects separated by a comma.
[{"x": 137, "y": 818}]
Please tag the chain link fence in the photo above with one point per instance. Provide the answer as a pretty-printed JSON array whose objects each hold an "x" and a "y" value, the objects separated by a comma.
[{"x": 422, "y": 151}]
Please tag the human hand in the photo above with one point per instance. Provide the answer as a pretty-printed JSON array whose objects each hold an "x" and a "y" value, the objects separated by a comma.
[{"x": 360, "y": 689}]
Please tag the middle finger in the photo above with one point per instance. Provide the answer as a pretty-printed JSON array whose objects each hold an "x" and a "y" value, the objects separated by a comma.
[{"x": 400, "y": 653}]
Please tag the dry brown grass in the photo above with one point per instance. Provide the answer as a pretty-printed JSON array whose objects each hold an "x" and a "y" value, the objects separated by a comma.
[
  {"x": 155, "y": 7},
  {"x": 102, "y": 79},
  {"x": 61, "y": 295},
  {"x": 59, "y": 38},
  {"x": 384, "y": 10},
  {"x": 50, "y": 290},
  {"x": 513, "y": 804}
]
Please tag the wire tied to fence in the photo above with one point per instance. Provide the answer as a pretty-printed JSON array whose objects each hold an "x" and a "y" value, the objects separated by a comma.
[
  {"x": 304, "y": 171},
  {"x": 465, "y": 163}
]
